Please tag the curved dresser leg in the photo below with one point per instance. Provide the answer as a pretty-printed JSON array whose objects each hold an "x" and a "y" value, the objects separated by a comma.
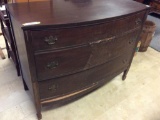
[
  {"x": 37, "y": 100},
  {"x": 18, "y": 70},
  {"x": 39, "y": 115},
  {"x": 125, "y": 74},
  {"x": 24, "y": 84}
]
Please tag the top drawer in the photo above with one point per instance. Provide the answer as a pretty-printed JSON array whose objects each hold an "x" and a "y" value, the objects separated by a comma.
[{"x": 67, "y": 37}]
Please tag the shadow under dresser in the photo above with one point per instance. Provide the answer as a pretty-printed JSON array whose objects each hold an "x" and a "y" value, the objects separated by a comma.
[{"x": 68, "y": 48}]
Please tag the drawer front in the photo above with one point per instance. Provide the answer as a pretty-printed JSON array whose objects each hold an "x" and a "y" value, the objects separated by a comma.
[
  {"x": 67, "y": 37},
  {"x": 66, "y": 85},
  {"x": 107, "y": 49},
  {"x": 58, "y": 63}
]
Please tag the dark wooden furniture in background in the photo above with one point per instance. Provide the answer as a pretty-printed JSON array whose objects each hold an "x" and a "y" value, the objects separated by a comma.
[
  {"x": 1, "y": 52},
  {"x": 67, "y": 52},
  {"x": 156, "y": 6},
  {"x": 144, "y": 1},
  {"x": 18, "y": 1},
  {"x": 141, "y": 1},
  {"x": 8, "y": 37}
]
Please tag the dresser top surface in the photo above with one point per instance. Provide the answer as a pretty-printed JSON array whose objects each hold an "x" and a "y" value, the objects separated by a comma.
[{"x": 62, "y": 12}]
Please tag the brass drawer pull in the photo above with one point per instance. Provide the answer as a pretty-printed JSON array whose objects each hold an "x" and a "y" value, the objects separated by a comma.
[
  {"x": 131, "y": 41},
  {"x": 53, "y": 88},
  {"x": 138, "y": 21},
  {"x": 51, "y": 40},
  {"x": 52, "y": 65},
  {"x": 102, "y": 41},
  {"x": 125, "y": 61}
]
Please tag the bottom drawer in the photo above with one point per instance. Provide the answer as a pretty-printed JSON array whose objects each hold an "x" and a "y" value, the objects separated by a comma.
[{"x": 65, "y": 85}]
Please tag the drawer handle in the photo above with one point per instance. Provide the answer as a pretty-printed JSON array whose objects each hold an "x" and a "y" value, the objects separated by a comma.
[
  {"x": 52, "y": 65},
  {"x": 131, "y": 41},
  {"x": 138, "y": 21},
  {"x": 125, "y": 61},
  {"x": 51, "y": 40},
  {"x": 103, "y": 40},
  {"x": 53, "y": 88}
]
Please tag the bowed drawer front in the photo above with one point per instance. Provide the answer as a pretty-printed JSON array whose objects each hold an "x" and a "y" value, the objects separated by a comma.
[
  {"x": 74, "y": 36},
  {"x": 72, "y": 83},
  {"x": 68, "y": 61}
]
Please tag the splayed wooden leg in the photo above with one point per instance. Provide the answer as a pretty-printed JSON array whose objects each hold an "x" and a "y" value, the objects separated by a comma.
[
  {"x": 39, "y": 116},
  {"x": 125, "y": 74},
  {"x": 25, "y": 85}
]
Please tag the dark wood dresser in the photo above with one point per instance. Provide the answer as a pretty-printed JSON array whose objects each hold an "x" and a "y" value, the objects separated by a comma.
[
  {"x": 68, "y": 48},
  {"x": 7, "y": 34}
]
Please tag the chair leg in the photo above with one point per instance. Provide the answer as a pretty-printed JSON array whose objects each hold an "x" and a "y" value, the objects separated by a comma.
[
  {"x": 2, "y": 54},
  {"x": 7, "y": 47}
]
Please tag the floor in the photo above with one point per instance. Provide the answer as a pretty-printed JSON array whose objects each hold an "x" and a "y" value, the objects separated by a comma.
[{"x": 136, "y": 98}]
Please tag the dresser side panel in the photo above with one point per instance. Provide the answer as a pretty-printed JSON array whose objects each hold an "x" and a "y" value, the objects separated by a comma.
[{"x": 22, "y": 52}]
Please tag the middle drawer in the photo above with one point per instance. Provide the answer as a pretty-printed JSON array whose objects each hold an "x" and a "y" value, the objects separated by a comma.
[{"x": 58, "y": 63}]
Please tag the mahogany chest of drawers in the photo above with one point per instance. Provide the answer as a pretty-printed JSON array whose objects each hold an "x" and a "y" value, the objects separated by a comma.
[{"x": 67, "y": 52}]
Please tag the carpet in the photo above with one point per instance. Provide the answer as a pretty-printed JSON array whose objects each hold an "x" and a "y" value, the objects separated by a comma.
[{"x": 155, "y": 43}]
